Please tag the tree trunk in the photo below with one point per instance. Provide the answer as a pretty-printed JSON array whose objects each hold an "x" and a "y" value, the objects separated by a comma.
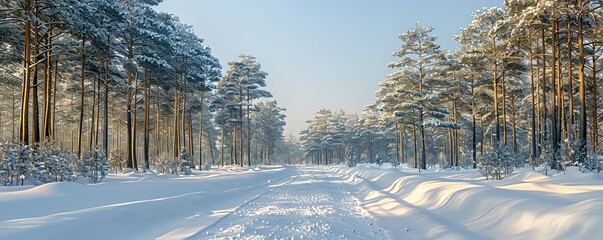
[
  {"x": 92, "y": 116},
  {"x": 46, "y": 127},
  {"x": 514, "y": 124},
  {"x": 130, "y": 148},
  {"x": 158, "y": 144},
  {"x": 183, "y": 117},
  {"x": 402, "y": 145},
  {"x": 191, "y": 161},
  {"x": 222, "y": 140},
  {"x": 481, "y": 122},
  {"x": 582, "y": 94},
  {"x": 554, "y": 115},
  {"x": 474, "y": 140},
  {"x": 201, "y": 131},
  {"x": 248, "y": 130},
  {"x": 176, "y": 148},
  {"x": 423, "y": 145},
  {"x": 24, "y": 117},
  {"x": 544, "y": 80},
  {"x": 533, "y": 154},
  {"x": 504, "y": 106},
  {"x": 13, "y": 116},
  {"x": 35, "y": 104},
  {"x": 561, "y": 121},
  {"x": 414, "y": 139},
  {"x": 82, "y": 103},
  {"x": 495, "y": 90},
  {"x": 106, "y": 100},
  {"x": 135, "y": 123},
  {"x": 595, "y": 113},
  {"x": 456, "y": 134},
  {"x": 54, "y": 100},
  {"x": 397, "y": 139},
  {"x": 147, "y": 118},
  {"x": 570, "y": 89}
]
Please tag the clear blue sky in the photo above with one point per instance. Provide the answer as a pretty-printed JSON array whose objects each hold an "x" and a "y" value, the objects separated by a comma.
[{"x": 320, "y": 53}]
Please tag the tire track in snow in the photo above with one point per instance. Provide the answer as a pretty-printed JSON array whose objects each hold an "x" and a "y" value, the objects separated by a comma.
[
  {"x": 313, "y": 205},
  {"x": 230, "y": 212}
]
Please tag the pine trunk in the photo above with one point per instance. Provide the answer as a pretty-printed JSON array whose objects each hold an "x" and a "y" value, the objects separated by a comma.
[
  {"x": 46, "y": 127},
  {"x": 82, "y": 103},
  {"x": 24, "y": 117},
  {"x": 582, "y": 94}
]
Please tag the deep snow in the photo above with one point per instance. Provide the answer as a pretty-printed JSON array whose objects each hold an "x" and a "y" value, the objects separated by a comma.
[{"x": 309, "y": 202}]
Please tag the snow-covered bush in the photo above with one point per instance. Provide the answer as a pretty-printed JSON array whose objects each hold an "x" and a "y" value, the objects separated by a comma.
[
  {"x": 590, "y": 164},
  {"x": 168, "y": 165},
  {"x": 53, "y": 164},
  {"x": 569, "y": 150},
  {"x": 117, "y": 160},
  {"x": 94, "y": 166},
  {"x": 497, "y": 163},
  {"x": 395, "y": 163},
  {"x": 165, "y": 164},
  {"x": 351, "y": 161},
  {"x": 185, "y": 159},
  {"x": 15, "y": 164}
]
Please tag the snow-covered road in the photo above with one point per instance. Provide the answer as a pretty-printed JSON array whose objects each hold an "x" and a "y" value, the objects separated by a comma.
[
  {"x": 309, "y": 202},
  {"x": 314, "y": 205}
]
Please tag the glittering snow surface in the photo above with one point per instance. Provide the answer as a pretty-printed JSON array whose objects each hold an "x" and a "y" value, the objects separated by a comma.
[{"x": 313, "y": 205}]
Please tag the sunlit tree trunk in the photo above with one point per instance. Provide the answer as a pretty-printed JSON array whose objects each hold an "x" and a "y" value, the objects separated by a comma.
[
  {"x": 54, "y": 100},
  {"x": 130, "y": 132},
  {"x": 93, "y": 113},
  {"x": 570, "y": 89},
  {"x": 35, "y": 104},
  {"x": 47, "y": 119},
  {"x": 176, "y": 124},
  {"x": 24, "y": 117},
  {"x": 147, "y": 118},
  {"x": 504, "y": 106}
]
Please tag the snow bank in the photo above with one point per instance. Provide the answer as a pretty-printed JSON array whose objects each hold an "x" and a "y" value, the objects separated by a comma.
[
  {"x": 463, "y": 205},
  {"x": 132, "y": 206}
]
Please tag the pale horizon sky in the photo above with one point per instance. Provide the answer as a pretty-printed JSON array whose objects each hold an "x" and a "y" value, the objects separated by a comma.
[{"x": 320, "y": 53}]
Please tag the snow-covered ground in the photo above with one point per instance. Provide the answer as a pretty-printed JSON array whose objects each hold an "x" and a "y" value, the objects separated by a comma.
[
  {"x": 463, "y": 205},
  {"x": 309, "y": 202}
]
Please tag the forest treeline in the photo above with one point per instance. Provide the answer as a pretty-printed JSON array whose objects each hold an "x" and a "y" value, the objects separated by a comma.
[
  {"x": 522, "y": 88},
  {"x": 117, "y": 77}
]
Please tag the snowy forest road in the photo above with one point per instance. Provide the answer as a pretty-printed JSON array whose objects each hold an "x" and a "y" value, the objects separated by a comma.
[
  {"x": 309, "y": 202},
  {"x": 314, "y": 205}
]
